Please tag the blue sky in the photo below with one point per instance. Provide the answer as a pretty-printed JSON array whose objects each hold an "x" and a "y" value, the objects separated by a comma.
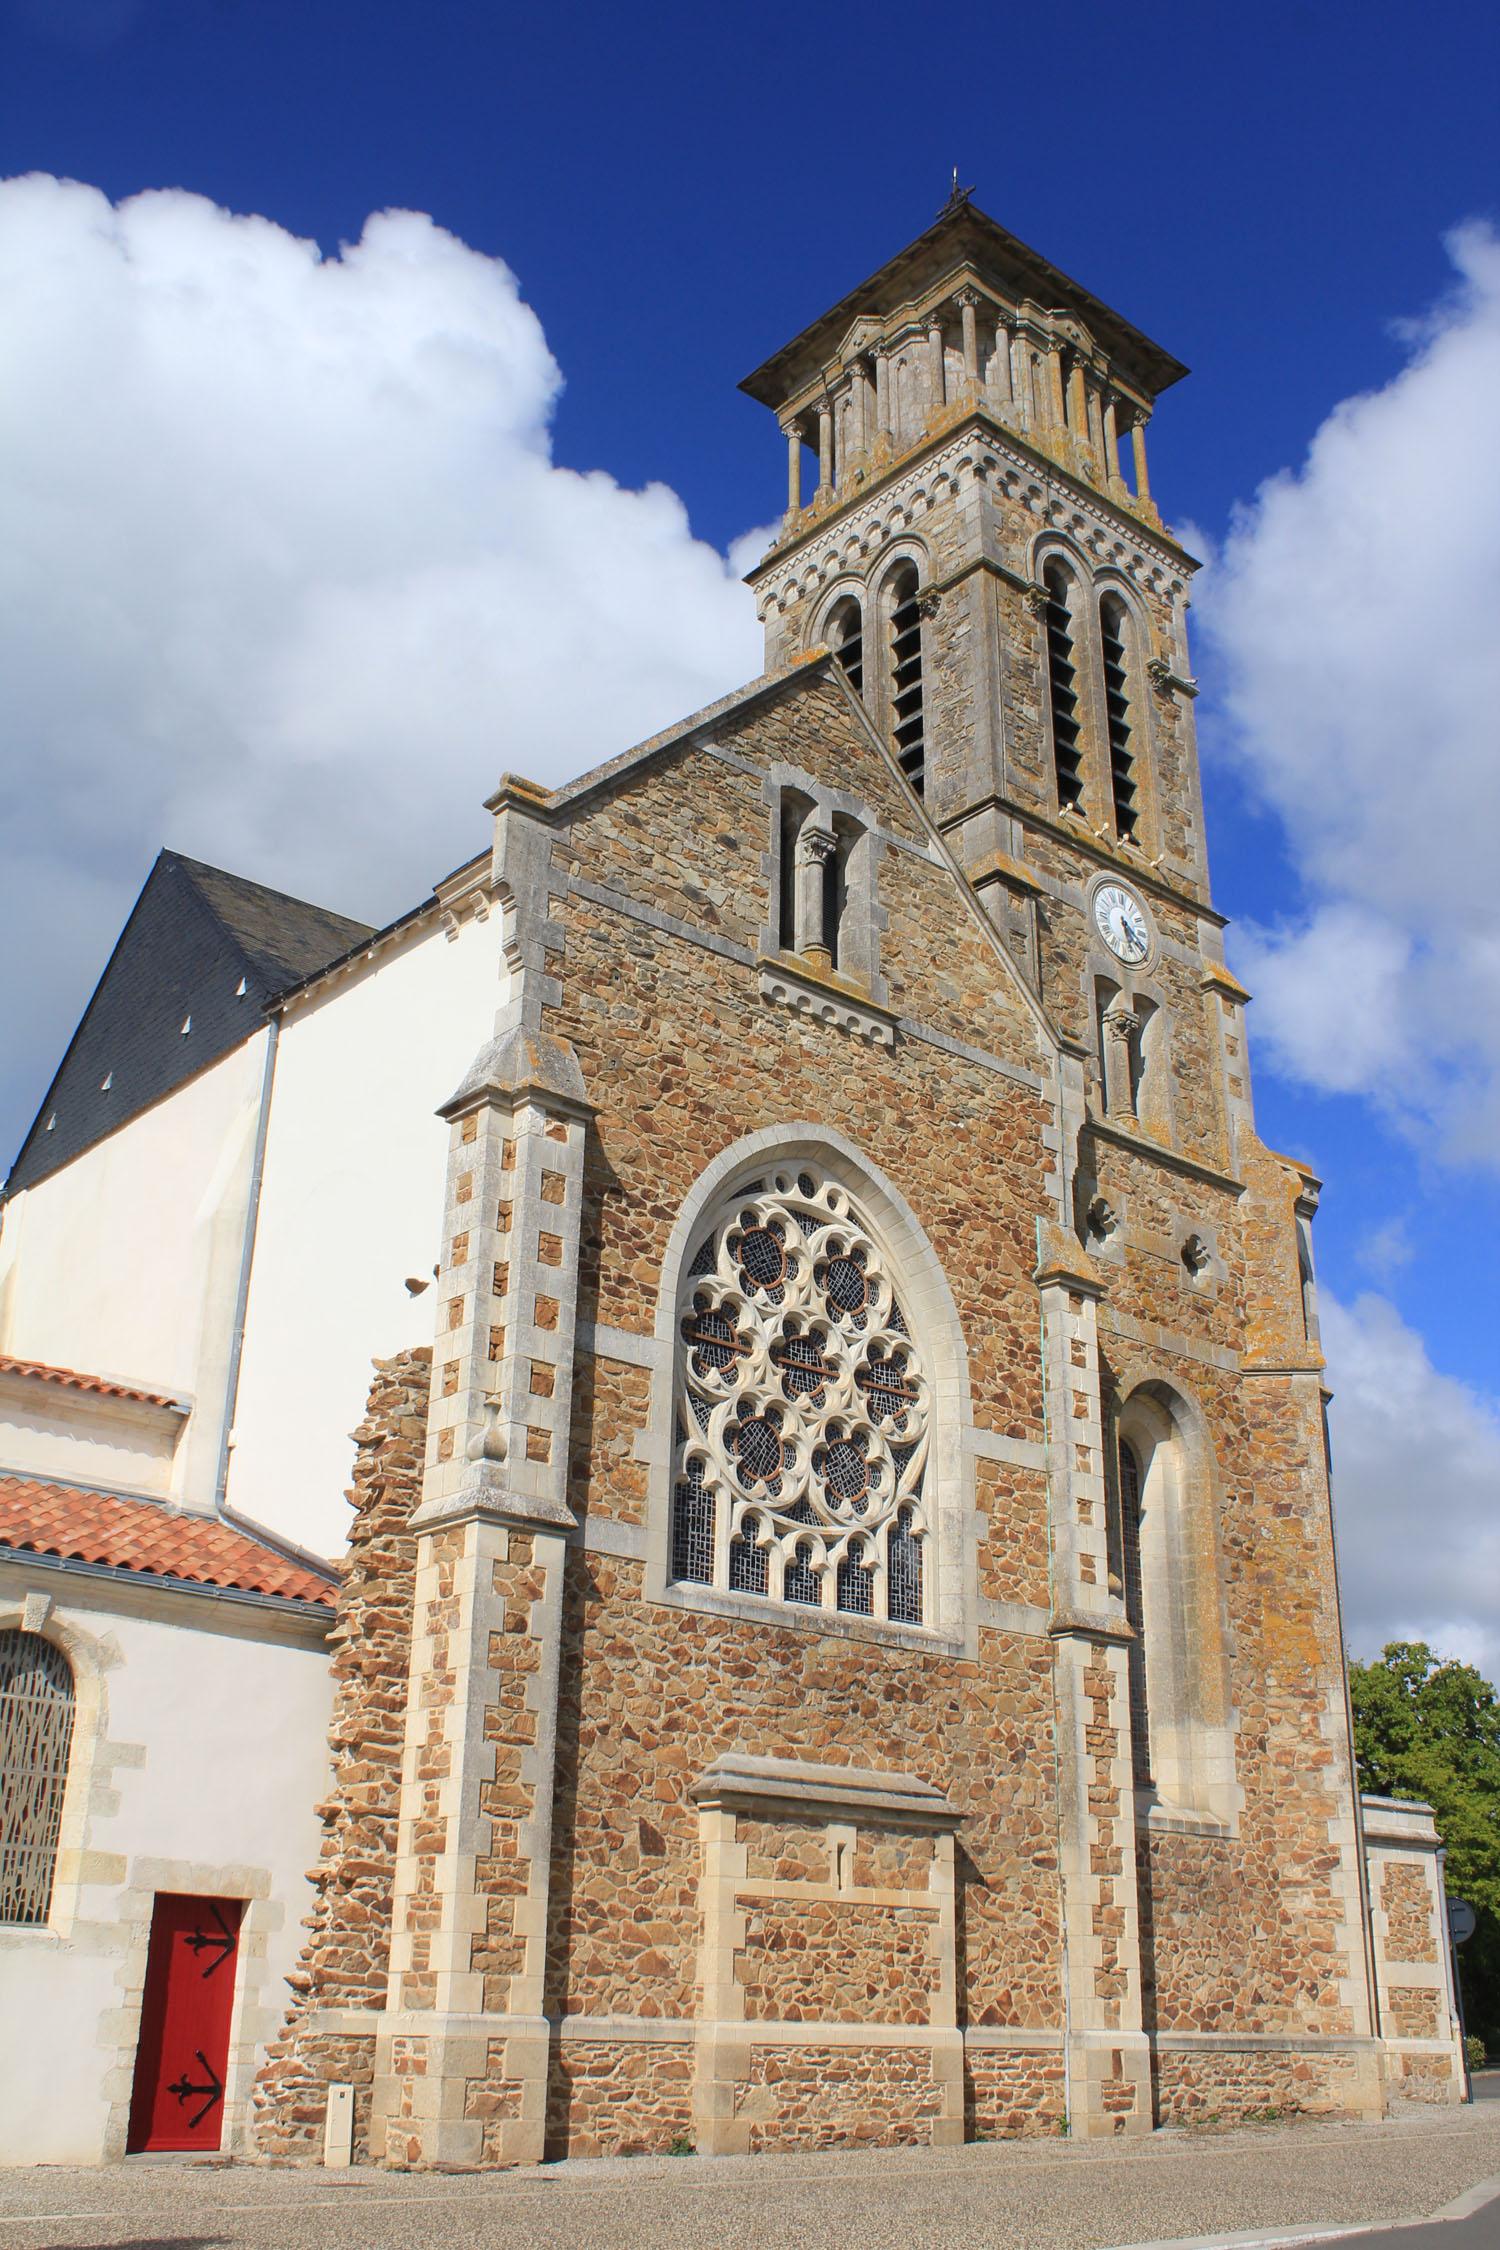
[{"x": 1265, "y": 190}]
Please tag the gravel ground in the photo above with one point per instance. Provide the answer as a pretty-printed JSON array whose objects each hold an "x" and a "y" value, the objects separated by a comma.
[{"x": 1024, "y": 2195}]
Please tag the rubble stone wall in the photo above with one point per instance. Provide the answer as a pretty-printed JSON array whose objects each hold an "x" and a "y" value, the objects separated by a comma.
[{"x": 346, "y": 1959}]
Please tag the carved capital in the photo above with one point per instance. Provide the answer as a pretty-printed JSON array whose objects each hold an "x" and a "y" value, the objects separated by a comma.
[
  {"x": 1121, "y": 1023},
  {"x": 816, "y": 845}
]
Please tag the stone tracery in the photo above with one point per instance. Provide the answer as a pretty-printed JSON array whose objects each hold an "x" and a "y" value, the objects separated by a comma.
[{"x": 803, "y": 1409}]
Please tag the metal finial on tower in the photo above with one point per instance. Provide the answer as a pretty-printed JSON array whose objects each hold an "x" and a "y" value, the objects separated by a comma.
[{"x": 958, "y": 196}]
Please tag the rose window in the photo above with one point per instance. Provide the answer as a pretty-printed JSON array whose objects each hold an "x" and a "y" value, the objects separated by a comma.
[{"x": 802, "y": 1409}]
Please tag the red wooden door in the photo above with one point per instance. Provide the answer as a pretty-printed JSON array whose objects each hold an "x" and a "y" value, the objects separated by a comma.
[{"x": 177, "y": 2100}]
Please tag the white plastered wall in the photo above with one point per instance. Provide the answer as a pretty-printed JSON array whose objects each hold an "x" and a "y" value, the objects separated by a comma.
[
  {"x": 351, "y": 1205},
  {"x": 197, "y": 1758},
  {"x": 127, "y": 1262}
]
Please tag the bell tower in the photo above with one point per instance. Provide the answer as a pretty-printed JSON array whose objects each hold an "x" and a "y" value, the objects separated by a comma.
[{"x": 970, "y": 527}]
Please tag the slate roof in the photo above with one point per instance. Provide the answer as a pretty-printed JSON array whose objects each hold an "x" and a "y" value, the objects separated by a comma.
[
  {"x": 159, "y": 1542},
  {"x": 68, "y": 1379},
  {"x": 199, "y": 958}
]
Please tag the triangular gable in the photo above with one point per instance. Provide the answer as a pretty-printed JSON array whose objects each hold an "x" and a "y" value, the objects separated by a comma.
[{"x": 808, "y": 718}]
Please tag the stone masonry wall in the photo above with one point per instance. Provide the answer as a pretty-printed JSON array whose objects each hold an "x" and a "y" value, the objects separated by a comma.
[
  {"x": 1225, "y": 2084},
  {"x": 819, "y": 1961},
  {"x": 839, "y": 2097},
  {"x": 344, "y": 1963},
  {"x": 1012, "y": 2093},
  {"x": 1406, "y": 1898}
]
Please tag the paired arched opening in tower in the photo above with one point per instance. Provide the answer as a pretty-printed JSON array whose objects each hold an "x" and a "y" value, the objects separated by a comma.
[
  {"x": 1165, "y": 1558},
  {"x": 1099, "y": 722}
]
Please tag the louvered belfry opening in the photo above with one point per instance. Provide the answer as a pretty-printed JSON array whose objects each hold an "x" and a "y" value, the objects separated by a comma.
[
  {"x": 1130, "y": 1559},
  {"x": 846, "y": 637},
  {"x": 1066, "y": 755},
  {"x": 36, "y": 1734},
  {"x": 908, "y": 726},
  {"x": 1117, "y": 713}
]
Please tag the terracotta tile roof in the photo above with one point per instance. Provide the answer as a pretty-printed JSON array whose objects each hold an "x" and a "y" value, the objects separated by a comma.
[
  {"x": 100, "y": 1385},
  {"x": 100, "y": 1527}
]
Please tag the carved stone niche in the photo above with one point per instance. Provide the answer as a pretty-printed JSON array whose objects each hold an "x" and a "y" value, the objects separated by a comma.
[{"x": 827, "y": 1897}]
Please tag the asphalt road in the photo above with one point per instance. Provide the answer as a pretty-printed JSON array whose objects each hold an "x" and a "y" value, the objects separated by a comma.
[{"x": 1022, "y": 2195}]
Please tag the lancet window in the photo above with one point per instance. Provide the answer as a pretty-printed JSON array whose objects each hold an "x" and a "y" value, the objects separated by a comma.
[
  {"x": 36, "y": 1734},
  {"x": 802, "y": 1409},
  {"x": 1135, "y": 1608},
  {"x": 1066, "y": 755},
  {"x": 1112, "y": 631},
  {"x": 846, "y": 637},
  {"x": 908, "y": 724}
]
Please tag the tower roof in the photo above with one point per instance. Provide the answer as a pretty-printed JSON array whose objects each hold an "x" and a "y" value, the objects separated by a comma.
[{"x": 962, "y": 242}]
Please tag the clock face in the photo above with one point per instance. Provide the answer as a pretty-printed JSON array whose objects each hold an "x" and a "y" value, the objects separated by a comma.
[{"x": 1121, "y": 923}]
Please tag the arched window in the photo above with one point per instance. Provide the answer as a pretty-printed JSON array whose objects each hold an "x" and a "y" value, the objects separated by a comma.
[
  {"x": 1168, "y": 1555},
  {"x": 1135, "y": 1610},
  {"x": 1113, "y": 627},
  {"x": 1067, "y": 759},
  {"x": 845, "y": 635},
  {"x": 802, "y": 1408},
  {"x": 908, "y": 728},
  {"x": 36, "y": 1733}
]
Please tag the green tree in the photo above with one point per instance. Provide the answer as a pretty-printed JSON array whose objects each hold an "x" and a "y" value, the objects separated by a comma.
[{"x": 1430, "y": 1729}]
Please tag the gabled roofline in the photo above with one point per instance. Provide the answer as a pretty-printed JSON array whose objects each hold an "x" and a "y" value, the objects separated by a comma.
[
  {"x": 820, "y": 663},
  {"x": 515, "y": 790}
]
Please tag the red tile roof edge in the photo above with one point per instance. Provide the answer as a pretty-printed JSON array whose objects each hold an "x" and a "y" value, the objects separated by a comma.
[
  {"x": 69, "y": 1379},
  {"x": 147, "y": 1540}
]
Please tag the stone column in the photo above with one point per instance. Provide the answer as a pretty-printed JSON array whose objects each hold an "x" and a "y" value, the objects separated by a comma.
[
  {"x": 935, "y": 354},
  {"x": 815, "y": 847},
  {"x": 1108, "y": 2059},
  {"x": 1138, "y": 440},
  {"x": 1002, "y": 386},
  {"x": 968, "y": 305},
  {"x": 793, "y": 473},
  {"x": 825, "y": 448},
  {"x": 1121, "y": 1025},
  {"x": 1111, "y": 440},
  {"x": 1056, "y": 411},
  {"x": 461, "y": 2062},
  {"x": 1078, "y": 402},
  {"x": 859, "y": 413},
  {"x": 883, "y": 435}
]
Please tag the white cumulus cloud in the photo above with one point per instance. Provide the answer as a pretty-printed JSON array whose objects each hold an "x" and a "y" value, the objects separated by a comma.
[
  {"x": 1354, "y": 609},
  {"x": 288, "y": 576},
  {"x": 1416, "y": 1482}
]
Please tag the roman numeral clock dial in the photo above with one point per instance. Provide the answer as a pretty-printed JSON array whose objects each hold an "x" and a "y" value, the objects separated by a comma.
[{"x": 1121, "y": 924}]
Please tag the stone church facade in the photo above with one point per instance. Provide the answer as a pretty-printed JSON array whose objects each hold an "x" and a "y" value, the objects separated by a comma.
[
  {"x": 850, "y": 1647},
  {"x": 840, "y": 1636}
]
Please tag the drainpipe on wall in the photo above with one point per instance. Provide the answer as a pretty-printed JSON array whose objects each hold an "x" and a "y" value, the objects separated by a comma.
[{"x": 247, "y": 1259}]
